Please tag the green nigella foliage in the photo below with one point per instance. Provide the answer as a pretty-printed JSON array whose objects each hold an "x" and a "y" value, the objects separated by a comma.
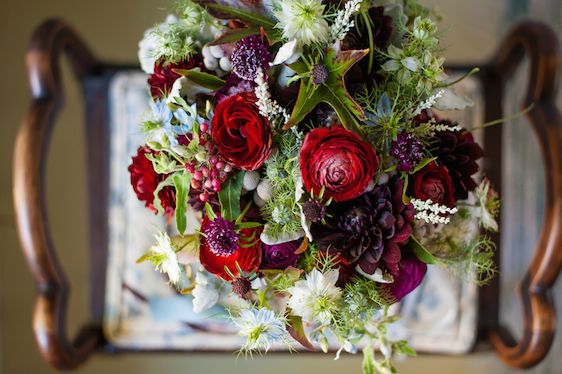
[
  {"x": 282, "y": 170},
  {"x": 176, "y": 44}
]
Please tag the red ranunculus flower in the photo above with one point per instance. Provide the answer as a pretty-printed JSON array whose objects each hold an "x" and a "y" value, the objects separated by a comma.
[
  {"x": 242, "y": 135},
  {"x": 219, "y": 248},
  {"x": 434, "y": 182},
  {"x": 338, "y": 160},
  {"x": 145, "y": 180},
  {"x": 163, "y": 78}
]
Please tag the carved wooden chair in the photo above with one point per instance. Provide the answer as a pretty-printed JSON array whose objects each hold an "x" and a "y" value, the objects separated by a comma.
[{"x": 54, "y": 39}]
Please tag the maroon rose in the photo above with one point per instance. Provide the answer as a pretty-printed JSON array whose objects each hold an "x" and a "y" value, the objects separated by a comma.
[
  {"x": 434, "y": 183},
  {"x": 280, "y": 256},
  {"x": 410, "y": 275},
  {"x": 242, "y": 135},
  {"x": 164, "y": 76},
  {"x": 339, "y": 161},
  {"x": 145, "y": 180}
]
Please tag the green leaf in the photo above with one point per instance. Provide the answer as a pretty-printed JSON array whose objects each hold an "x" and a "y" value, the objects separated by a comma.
[
  {"x": 333, "y": 92},
  {"x": 229, "y": 196},
  {"x": 157, "y": 203},
  {"x": 248, "y": 225},
  {"x": 245, "y": 16},
  {"x": 368, "y": 364},
  {"x": 235, "y": 35},
  {"x": 210, "y": 212},
  {"x": 205, "y": 80},
  {"x": 423, "y": 163},
  {"x": 182, "y": 183},
  {"x": 421, "y": 252},
  {"x": 295, "y": 328}
]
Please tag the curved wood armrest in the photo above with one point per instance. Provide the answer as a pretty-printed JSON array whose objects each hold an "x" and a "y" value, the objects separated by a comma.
[
  {"x": 540, "y": 45},
  {"x": 48, "y": 42}
]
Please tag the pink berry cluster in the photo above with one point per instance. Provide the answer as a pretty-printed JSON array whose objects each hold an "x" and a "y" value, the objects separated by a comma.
[{"x": 209, "y": 171}]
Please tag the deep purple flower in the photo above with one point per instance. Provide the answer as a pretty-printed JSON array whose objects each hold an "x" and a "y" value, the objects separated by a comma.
[
  {"x": 369, "y": 230},
  {"x": 221, "y": 236},
  {"x": 233, "y": 85},
  {"x": 280, "y": 256},
  {"x": 410, "y": 275},
  {"x": 459, "y": 152},
  {"x": 250, "y": 55},
  {"x": 407, "y": 150}
]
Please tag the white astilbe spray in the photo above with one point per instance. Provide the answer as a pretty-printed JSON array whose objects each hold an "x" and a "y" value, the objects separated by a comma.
[
  {"x": 429, "y": 129},
  {"x": 432, "y": 212},
  {"x": 427, "y": 104},
  {"x": 268, "y": 107},
  {"x": 343, "y": 22}
]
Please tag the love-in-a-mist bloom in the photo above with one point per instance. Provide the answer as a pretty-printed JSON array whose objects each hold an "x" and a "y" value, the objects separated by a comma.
[
  {"x": 261, "y": 327},
  {"x": 303, "y": 20},
  {"x": 316, "y": 298},
  {"x": 163, "y": 257}
]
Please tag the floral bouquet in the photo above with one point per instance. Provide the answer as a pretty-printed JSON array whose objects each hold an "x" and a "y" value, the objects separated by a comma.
[{"x": 307, "y": 137}]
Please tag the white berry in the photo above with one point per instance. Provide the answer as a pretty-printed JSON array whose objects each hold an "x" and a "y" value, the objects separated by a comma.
[
  {"x": 216, "y": 51},
  {"x": 258, "y": 201},
  {"x": 210, "y": 63},
  {"x": 225, "y": 64},
  {"x": 251, "y": 180},
  {"x": 264, "y": 190}
]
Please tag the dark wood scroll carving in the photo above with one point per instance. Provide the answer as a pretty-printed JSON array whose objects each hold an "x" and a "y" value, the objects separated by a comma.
[
  {"x": 52, "y": 39},
  {"x": 540, "y": 45}
]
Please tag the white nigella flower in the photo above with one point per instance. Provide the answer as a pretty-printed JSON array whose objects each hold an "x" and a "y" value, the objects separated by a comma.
[
  {"x": 400, "y": 62},
  {"x": 487, "y": 205},
  {"x": 261, "y": 327},
  {"x": 303, "y": 20},
  {"x": 207, "y": 292},
  {"x": 316, "y": 297},
  {"x": 424, "y": 28},
  {"x": 163, "y": 257},
  {"x": 151, "y": 42}
]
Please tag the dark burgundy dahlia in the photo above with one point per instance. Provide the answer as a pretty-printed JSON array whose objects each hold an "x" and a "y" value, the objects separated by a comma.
[
  {"x": 369, "y": 230},
  {"x": 164, "y": 76},
  {"x": 458, "y": 151}
]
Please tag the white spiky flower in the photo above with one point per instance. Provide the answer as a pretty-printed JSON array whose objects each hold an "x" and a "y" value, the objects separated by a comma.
[
  {"x": 303, "y": 20},
  {"x": 164, "y": 258},
  {"x": 261, "y": 327},
  {"x": 315, "y": 298},
  {"x": 487, "y": 205}
]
